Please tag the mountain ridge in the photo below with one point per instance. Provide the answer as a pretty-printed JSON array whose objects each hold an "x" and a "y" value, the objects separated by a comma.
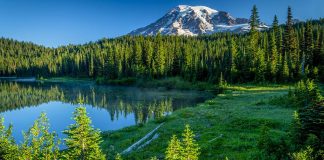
[{"x": 195, "y": 20}]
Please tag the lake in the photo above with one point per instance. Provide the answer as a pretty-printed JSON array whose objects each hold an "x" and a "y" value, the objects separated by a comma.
[{"x": 109, "y": 107}]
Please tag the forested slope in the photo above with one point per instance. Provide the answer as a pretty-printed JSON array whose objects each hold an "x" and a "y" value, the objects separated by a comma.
[{"x": 283, "y": 53}]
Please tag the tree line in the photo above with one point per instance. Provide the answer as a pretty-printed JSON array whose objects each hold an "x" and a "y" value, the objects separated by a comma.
[{"x": 282, "y": 53}]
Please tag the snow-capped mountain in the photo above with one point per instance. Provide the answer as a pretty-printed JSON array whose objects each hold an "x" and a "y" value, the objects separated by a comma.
[{"x": 195, "y": 20}]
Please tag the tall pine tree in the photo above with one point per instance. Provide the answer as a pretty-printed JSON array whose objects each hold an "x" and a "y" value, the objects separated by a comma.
[
  {"x": 277, "y": 33},
  {"x": 82, "y": 140},
  {"x": 273, "y": 57},
  {"x": 290, "y": 46},
  {"x": 252, "y": 56},
  {"x": 308, "y": 44},
  {"x": 254, "y": 19}
]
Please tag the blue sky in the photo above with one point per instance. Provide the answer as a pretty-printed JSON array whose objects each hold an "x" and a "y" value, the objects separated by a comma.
[{"x": 61, "y": 22}]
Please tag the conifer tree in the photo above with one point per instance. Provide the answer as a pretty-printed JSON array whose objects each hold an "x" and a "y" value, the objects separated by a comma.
[
  {"x": 278, "y": 34},
  {"x": 148, "y": 54},
  {"x": 82, "y": 140},
  {"x": 187, "y": 149},
  {"x": 296, "y": 131},
  {"x": 159, "y": 59},
  {"x": 174, "y": 149},
  {"x": 190, "y": 147},
  {"x": 233, "y": 48},
  {"x": 311, "y": 119},
  {"x": 154, "y": 158},
  {"x": 221, "y": 82},
  {"x": 254, "y": 19},
  {"x": 8, "y": 147},
  {"x": 273, "y": 55},
  {"x": 91, "y": 65},
  {"x": 233, "y": 51},
  {"x": 290, "y": 45},
  {"x": 285, "y": 69},
  {"x": 306, "y": 154},
  {"x": 118, "y": 157},
  {"x": 38, "y": 142},
  {"x": 308, "y": 44},
  {"x": 137, "y": 60},
  {"x": 253, "y": 46},
  {"x": 275, "y": 29},
  {"x": 260, "y": 66}
]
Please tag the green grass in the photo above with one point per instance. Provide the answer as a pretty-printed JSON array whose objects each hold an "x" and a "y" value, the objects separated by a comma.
[{"x": 238, "y": 114}]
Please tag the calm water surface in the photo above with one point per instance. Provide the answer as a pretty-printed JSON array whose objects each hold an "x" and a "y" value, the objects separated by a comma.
[{"x": 109, "y": 107}]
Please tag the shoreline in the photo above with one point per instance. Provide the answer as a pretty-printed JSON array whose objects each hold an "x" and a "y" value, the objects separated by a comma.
[{"x": 210, "y": 113}]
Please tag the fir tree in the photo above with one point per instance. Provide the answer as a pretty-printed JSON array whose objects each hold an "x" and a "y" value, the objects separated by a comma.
[
  {"x": 285, "y": 69},
  {"x": 159, "y": 59},
  {"x": 82, "y": 140},
  {"x": 254, "y": 19},
  {"x": 222, "y": 82},
  {"x": 187, "y": 149},
  {"x": 290, "y": 45},
  {"x": 174, "y": 149},
  {"x": 273, "y": 56},
  {"x": 308, "y": 44},
  {"x": 296, "y": 131},
  {"x": 154, "y": 158},
  {"x": 277, "y": 32},
  {"x": 118, "y": 157},
  {"x": 306, "y": 154},
  {"x": 8, "y": 147},
  {"x": 311, "y": 119},
  {"x": 148, "y": 54},
  {"x": 233, "y": 51},
  {"x": 190, "y": 147},
  {"x": 91, "y": 66},
  {"x": 260, "y": 66},
  {"x": 253, "y": 46},
  {"x": 38, "y": 142}
]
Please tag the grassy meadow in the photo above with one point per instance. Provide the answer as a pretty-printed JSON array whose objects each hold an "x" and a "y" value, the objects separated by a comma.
[{"x": 228, "y": 125}]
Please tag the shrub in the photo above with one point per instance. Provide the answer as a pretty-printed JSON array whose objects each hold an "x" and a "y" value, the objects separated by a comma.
[
  {"x": 305, "y": 93},
  {"x": 271, "y": 148},
  {"x": 312, "y": 121},
  {"x": 305, "y": 154}
]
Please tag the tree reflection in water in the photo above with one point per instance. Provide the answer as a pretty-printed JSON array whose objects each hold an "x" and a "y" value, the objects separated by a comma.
[{"x": 143, "y": 103}]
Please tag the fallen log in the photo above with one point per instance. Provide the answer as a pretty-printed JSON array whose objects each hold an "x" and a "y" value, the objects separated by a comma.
[
  {"x": 134, "y": 146},
  {"x": 220, "y": 136}
]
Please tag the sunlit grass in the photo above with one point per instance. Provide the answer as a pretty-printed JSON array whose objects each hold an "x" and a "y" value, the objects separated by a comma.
[{"x": 233, "y": 118}]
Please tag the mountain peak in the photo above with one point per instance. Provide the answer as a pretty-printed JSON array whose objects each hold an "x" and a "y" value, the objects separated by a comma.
[
  {"x": 194, "y": 20},
  {"x": 184, "y": 8}
]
